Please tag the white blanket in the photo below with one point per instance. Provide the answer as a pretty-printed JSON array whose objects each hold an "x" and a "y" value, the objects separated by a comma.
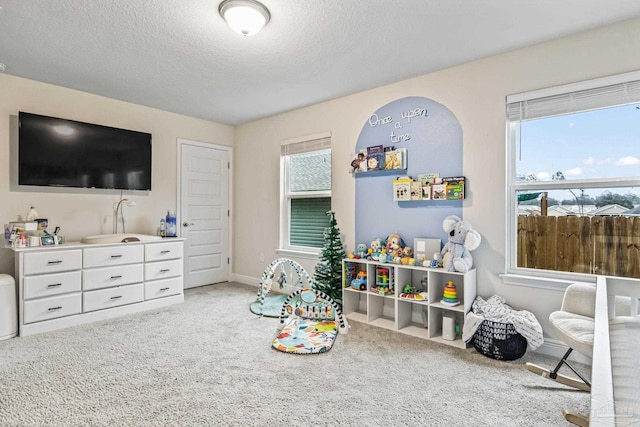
[{"x": 495, "y": 309}]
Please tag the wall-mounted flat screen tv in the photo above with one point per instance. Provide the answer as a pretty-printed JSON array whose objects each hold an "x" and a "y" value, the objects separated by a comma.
[{"x": 57, "y": 152}]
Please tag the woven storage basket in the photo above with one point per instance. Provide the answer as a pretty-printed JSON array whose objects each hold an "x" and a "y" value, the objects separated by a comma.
[{"x": 499, "y": 341}]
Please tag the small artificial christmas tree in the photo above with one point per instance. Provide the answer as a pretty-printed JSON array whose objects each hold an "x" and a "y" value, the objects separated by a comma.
[{"x": 328, "y": 272}]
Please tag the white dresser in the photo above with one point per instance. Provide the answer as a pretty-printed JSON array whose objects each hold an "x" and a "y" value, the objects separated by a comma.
[{"x": 76, "y": 283}]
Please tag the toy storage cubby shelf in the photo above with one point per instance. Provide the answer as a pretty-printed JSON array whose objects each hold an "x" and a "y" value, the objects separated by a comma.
[{"x": 419, "y": 318}]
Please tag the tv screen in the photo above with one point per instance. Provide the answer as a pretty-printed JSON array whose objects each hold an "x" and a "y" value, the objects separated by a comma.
[{"x": 65, "y": 153}]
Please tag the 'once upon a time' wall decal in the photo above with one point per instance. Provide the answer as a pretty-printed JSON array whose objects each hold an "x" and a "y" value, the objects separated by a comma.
[
  {"x": 432, "y": 137},
  {"x": 398, "y": 125}
]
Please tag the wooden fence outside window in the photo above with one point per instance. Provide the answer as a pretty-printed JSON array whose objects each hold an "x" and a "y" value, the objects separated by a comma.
[{"x": 605, "y": 245}]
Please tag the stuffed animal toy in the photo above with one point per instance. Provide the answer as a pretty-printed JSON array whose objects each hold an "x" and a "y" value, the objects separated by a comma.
[
  {"x": 394, "y": 245},
  {"x": 361, "y": 250},
  {"x": 456, "y": 254},
  {"x": 376, "y": 248}
]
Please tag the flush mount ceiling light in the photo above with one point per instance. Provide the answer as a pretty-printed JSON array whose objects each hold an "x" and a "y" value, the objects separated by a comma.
[{"x": 245, "y": 17}]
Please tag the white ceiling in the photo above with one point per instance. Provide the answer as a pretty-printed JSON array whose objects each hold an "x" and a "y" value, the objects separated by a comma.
[{"x": 179, "y": 55}]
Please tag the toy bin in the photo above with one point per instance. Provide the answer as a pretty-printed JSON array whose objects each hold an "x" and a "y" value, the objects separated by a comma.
[
  {"x": 499, "y": 341},
  {"x": 8, "y": 307}
]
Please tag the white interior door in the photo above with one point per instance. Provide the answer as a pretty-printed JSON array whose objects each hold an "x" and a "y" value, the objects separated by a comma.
[{"x": 204, "y": 212}]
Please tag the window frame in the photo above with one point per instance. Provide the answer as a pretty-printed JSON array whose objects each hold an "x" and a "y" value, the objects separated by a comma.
[
  {"x": 285, "y": 248},
  {"x": 538, "y": 278}
]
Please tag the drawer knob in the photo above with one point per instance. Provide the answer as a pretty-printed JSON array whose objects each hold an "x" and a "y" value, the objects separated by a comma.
[
  {"x": 54, "y": 262},
  {"x": 164, "y": 289},
  {"x": 54, "y": 285},
  {"x": 165, "y": 270},
  {"x": 116, "y": 277},
  {"x": 116, "y": 256},
  {"x": 116, "y": 297},
  {"x": 54, "y": 308},
  {"x": 165, "y": 252}
]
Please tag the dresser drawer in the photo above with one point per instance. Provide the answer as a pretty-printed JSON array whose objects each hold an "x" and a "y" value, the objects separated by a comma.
[
  {"x": 112, "y": 297},
  {"x": 51, "y": 308},
  {"x": 112, "y": 255},
  {"x": 162, "y": 288},
  {"x": 48, "y": 285},
  {"x": 98, "y": 278},
  {"x": 162, "y": 251},
  {"x": 52, "y": 261},
  {"x": 162, "y": 270}
]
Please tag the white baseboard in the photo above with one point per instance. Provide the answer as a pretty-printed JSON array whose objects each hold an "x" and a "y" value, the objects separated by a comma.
[
  {"x": 245, "y": 280},
  {"x": 557, "y": 349}
]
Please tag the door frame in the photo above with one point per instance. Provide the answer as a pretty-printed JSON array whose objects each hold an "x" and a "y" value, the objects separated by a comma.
[{"x": 180, "y": 142}]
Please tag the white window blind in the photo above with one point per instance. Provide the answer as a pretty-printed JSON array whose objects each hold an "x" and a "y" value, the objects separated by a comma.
[
  {"x": 309, "y": 219},
  {"x": 305, "y": 146},
  {"x": 306, "y": 190},
  {"x": 574, "y": 102}
]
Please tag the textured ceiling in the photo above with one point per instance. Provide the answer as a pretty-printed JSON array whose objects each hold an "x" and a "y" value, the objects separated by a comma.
[{"x": 179, "y": 55}]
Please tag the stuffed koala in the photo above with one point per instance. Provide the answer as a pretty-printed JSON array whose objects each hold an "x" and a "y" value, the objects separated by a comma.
[{"x": 462, "y": 239}]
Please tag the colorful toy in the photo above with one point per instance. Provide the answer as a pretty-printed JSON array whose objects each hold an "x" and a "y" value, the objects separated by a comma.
[
  {"x": 309, "y": 323},
  {"x": 395, "y": 245},
  {"x": 409, "y": 292},
  {"x": 456, "y": 254},
  {"x": 360, "y": 282},
  {"x": 383, "y": 281},
  {"x": 450, "y": 295},
  {"x": 377, "y": 245},
  {"x": 361, "y": 251},
  {"x": 435, "y": 261},
  {"x": 351, "y": 272}
]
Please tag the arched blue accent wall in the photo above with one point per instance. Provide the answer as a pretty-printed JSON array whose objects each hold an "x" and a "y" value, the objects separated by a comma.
[{"x": 432, "y": 136}]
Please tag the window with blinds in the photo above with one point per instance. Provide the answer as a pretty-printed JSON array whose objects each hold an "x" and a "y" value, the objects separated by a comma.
[
  {"x": 574, "y": 177},
  {"x": 306, "y": 193}
]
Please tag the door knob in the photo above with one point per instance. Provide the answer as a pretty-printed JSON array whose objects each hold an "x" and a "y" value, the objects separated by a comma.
[{"x": 187, "y": 224}]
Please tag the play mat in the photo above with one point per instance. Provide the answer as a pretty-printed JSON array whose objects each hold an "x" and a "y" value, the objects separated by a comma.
[
  {"x": 308, "y": 323},
  {"x": 269, "y": 307}
]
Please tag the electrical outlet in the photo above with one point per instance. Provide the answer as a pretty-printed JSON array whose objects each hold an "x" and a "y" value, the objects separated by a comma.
[{"x": 261, "y": 257}]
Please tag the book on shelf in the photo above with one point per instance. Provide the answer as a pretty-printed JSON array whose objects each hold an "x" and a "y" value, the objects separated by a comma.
[
  {"x": 438, "y": 192},
  {"x": 395, "y": 158},
  {"x": 426, "y": 191},
  {"x": 375, "y": 157},
  {"x": 402, "y": 189},
  {"x": 428, "y": 178},
  {"x": 416, "y": 190},
  {"x": 359, "y": 161},
  {"x": 454, "y": 187}
]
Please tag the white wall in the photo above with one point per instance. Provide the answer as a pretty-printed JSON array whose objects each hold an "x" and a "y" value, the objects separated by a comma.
[
  {"x": 475, "y": 92},
  {"x": 81, "y": 214}
]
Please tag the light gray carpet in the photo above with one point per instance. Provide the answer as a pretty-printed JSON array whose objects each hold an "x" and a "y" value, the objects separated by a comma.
[{"x": 209, "y": 362}]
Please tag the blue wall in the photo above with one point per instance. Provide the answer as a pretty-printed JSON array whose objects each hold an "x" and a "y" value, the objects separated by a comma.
[{"x": 433, "y": 139}]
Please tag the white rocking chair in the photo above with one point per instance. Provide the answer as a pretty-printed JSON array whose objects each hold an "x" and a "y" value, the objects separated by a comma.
[{"x": 574, "y": 324}]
